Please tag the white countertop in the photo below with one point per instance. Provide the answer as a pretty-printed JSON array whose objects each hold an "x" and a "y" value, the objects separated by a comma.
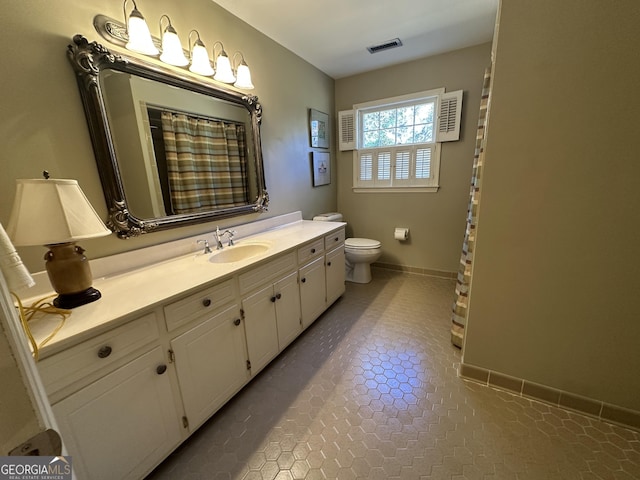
[{"x": 128, "y": 294}]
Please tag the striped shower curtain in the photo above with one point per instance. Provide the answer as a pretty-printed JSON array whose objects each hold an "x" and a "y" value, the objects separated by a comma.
[
  {"x": 206, "y": 162},
  {"x": 461, "y": 303}
]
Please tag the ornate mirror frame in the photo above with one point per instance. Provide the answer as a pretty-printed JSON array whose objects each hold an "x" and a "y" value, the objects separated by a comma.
[{"x": 88, "y": 60}]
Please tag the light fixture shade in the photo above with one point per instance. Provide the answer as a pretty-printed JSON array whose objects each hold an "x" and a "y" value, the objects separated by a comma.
[
  {"x": 224, "y": 73},
  {"x": 200, "y": 63},
  {"x": 244, "y": 77},
  {"x": 172, "y": 52},
  {"x": 139, "y": 35},
  {"x": 52, "y": 211}
]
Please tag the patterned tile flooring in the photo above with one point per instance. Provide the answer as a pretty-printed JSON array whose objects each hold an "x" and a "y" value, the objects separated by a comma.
[{"x": 370, "y": 390}]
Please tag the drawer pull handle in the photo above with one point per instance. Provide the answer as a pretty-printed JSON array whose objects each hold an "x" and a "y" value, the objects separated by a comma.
[
  {"x": 313, "y": 250},
  {"x": 206, "y": 302},
  {"x": 104, "y": 352},
  {"x": 336, "y": 239},
  {"x": 161, "y": 369},
  {"x": 236, "y": 322}
]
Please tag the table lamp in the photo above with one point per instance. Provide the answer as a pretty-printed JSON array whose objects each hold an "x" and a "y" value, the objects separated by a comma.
[{"x": 56, "y": 213}]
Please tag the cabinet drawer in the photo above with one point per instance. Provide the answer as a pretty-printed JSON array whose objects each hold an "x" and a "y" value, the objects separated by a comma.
[
  {"x": 99, "y": 352},
  {"x": 189, "y": 308},
  {"x": 310, "y": 250},
  {"x": 333, "y": 240},
  {"x": 267, "y": 272}
]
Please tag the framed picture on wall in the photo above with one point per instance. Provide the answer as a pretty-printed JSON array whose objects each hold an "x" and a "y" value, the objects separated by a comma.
[
  {"x": 319, "y": 128},
  {"x": 321, "y": 164}
]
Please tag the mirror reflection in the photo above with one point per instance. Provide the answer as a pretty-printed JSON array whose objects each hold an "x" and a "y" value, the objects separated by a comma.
[{"x": 171, "y": 150}]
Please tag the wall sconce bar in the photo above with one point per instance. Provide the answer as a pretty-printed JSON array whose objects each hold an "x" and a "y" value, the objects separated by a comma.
[{"x": 115, "y": 32}]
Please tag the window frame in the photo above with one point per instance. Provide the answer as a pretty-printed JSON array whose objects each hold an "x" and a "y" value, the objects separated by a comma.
[{"x": 392, "y": 184}]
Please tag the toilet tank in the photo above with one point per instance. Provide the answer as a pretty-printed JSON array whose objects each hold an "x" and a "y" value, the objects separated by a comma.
[{"x": 328, "y": 217}]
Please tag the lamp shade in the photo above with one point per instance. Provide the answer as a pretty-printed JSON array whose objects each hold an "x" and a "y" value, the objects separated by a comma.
[
  {"x": 244, "y": 77},
  {"x": 52, "y": 211},
  {"x": 200, "y": 63},
  {"x": 172, "y": 52},
  {"x": 139, "y": 36},
  {"x": 224, "y": 73}
]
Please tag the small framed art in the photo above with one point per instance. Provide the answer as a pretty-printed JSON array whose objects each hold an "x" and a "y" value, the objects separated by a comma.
[
  {"x": 319, "y": 128},
  {"x": 321, "y": 164}
]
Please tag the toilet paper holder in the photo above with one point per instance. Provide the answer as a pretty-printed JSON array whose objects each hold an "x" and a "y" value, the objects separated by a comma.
[{"x": 401, "y": 233}]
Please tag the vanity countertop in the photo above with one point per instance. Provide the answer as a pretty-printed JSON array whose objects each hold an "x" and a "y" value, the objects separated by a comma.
[{"x": 128, "y": 294}]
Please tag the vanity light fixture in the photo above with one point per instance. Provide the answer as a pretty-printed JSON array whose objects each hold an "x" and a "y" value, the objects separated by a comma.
[
  {"x": 172, "y": 52},
  {"x": 56, "y": 213},
  {"x": 243, "y": 73},
  {"x": 200, "y": 62},
  {"x": 224, "y": 73},
  {"x": 138, "y": 32}
]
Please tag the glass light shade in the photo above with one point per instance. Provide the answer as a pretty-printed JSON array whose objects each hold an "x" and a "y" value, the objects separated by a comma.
[
  {"x": 244, "y": 77},
  {"x": 200, "y": 63},
  {"x": 53, "y": 211},
  {"x": 224, "y": 73},
  {"x": 139, "y": 36},
  {"x": 172, "y": 52}
]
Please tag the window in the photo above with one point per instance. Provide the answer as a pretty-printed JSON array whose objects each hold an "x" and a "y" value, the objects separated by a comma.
[{"x": 397, "y": 142}]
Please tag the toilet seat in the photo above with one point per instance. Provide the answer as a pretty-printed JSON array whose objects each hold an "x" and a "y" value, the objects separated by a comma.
[{"x": 361, "y": 243}]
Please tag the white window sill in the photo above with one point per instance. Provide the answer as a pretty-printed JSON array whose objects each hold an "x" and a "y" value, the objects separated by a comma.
[{"x": 395, "y": 190}]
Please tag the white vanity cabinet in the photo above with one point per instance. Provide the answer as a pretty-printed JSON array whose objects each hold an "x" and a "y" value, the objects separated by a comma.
[
  {"x": 210, "y": 361},
  {"x": 125, "y": 422},
  {"x": 126, "y": 396},
  {"x": 271, "y": 311},
  {"x": 334, "y": 262},
  {"x": 210, "y": 356}
]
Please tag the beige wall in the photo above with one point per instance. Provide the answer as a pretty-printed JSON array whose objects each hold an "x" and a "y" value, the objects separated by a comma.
[
  {"x": 436, "y": 220},
  {"x": 557, "y": 265},
  {"x": 42, "y": 125}
]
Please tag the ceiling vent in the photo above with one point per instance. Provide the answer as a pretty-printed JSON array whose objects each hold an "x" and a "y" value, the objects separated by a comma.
[{"x": 396, "y": 42}]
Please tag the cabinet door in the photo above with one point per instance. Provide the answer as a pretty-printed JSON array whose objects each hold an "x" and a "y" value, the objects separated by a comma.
[
  {"x": 124, "y": 424},
  {"x": 260, "y": 327},
  {"x": 211, "y": 363},
  {"x": 335, "y": 274},
  {"x": 287, "y": 309},
  {"x": 312, "y": 291}
]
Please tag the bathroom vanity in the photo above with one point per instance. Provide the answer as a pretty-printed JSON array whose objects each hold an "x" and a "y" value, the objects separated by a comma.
[{"x": 132, "y": 375}]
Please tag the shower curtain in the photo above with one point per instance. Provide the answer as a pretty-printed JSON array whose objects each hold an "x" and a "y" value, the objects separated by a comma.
[
  {"x": 460, "y": 305},
  {"x": 206, "y": 162}
]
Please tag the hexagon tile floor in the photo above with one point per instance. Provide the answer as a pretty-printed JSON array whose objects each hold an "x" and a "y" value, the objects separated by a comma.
[{"x": 370, "y": 390}]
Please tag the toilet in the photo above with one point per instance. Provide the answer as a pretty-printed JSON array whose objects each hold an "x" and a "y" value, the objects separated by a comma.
[{"x": 360, "y": 253}]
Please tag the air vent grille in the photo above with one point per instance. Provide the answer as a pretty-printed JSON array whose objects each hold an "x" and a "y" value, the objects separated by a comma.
[{"x": 396, "y": 42}]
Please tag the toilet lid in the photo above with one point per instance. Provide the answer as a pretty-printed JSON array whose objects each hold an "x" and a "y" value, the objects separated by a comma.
[{"x": 361, "y": 243}]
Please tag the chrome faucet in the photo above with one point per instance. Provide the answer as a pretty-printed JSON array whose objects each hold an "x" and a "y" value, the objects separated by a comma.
[
  {"x": 217, "y": 236},
  {"x": 207, "y": 248},
  {"x": 230, "y": 233}
]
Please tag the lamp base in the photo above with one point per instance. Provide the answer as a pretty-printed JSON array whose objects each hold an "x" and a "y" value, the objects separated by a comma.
[{"x": 68, "y": 301}]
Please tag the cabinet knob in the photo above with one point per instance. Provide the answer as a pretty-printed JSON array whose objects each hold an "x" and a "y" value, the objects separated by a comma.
[
  {"x": 328, "y": 264},
  {"x": 104, "y": 352},
  {"x": 161, "y": 369},
  {"x": 313, "y": 250},
  {"x": 206, "y": 302},
  {"x": 236, "y": 322},
  {"x": 336, "y": 239},
  {"x": 278, "y": 296},
  {"x": 273, "y": 299},
  {"x": 303, "y": 280}
]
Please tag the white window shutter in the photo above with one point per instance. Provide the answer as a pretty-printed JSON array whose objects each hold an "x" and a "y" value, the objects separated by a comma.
[
  {"x": 450, "y": 110},
  {"x": 346, "y": 130}
]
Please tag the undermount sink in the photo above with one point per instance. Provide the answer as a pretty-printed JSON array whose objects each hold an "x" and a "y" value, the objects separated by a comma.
[{"x": 238, "y": 253}]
